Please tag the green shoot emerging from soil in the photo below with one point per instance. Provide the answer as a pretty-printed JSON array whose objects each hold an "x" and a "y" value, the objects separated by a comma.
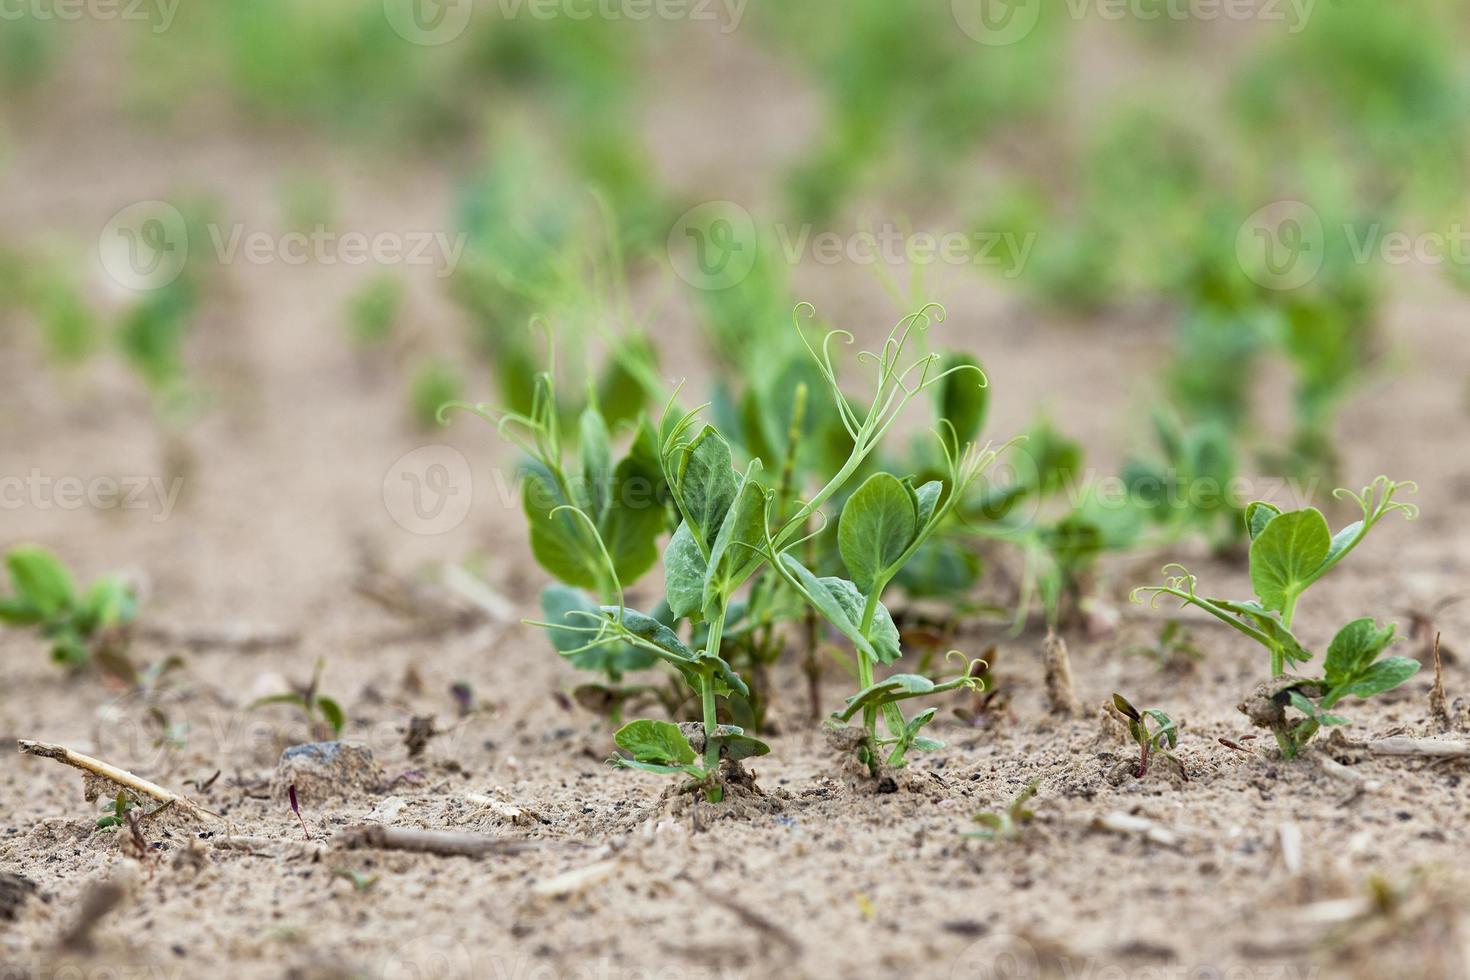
[
  {"x": 79, "y": 626},
  {"x": 323, "y": 714},
  {"x": 1289, "y": 553},
  {"x": 1162, "y": 738},
  {"x": 1007, "y": 824}
]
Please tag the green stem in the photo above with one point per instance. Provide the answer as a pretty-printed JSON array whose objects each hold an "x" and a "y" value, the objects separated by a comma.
[
  {"x": 865, "y": 663},
  {"x": 707, "y": 694}
]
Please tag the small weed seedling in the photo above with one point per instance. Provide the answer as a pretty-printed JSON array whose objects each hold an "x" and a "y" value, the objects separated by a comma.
[
  {"x": 323, "y": 714},
  {"x": 79, "y": 626},
  {"x": 1289, "y": 553},
  {"x": 1007, "y": 824},
  {"x": 115, "y": 814},
  {"x": 1160, "y": 740}
]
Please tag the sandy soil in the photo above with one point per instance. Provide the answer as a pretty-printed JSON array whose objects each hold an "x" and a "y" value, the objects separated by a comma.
[{"x": 1339, "y": 864}]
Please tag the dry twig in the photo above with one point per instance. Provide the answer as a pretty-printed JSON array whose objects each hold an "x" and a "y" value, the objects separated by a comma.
[{"x": 121, "y": 777}]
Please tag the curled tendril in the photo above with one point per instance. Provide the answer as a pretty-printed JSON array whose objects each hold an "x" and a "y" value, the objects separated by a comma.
[
  {"x": 1376, "y": 500},
  {"x": 974, "y": 679},
  {"x": 600, "y": 636},
  {"x": 1182, "y": 585},
  {"x": 601, "y": 547}
]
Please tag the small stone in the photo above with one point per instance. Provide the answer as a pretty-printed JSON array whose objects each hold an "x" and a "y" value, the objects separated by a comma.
[{"x": 326, "y": 770}]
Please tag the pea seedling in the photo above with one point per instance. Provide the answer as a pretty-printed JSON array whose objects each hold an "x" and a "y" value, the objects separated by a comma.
[
  {"x": 322, "y": 713},
  {"x": 1159, "y": 740},
  {"x": 728, "y": 529},
  {"x": 594, "y": 527},
  {"x": 1289, "y": 553},
  {"x": 1007, "y": 824},
  {"x": 883, "y": 525},
  {"x": 78, "y": 626}
]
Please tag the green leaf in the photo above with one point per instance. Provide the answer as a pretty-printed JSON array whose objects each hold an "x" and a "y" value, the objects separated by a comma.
[
  {"x": 656, "y": 742},
  {"x": 1123, "y": 705},
  {"x": 1267, "y": 622},
  {"x": 896, "y": 688},
  {"x": 18, "y": 612},
  {"x": 1257, "y": 515},
  {"x": 633, "y": 519},
  {"x": 735, "y": 744},
  {"x": 877, "y": 526},
  {"x": 291, "y": 698},
  {"x": 927, "y": 497},
  {"x": 942, "y": 567},
  {"x": 645, "y": 627},
  {"x": 1167, "y": 730},
  {"x": 595, "y": 449},
  {"x": 1283, "y": 557},
  {"x": 578, "y": 611},
  {"x": 1341, "y": 540},
  {"x": 1354, "y": 648},
  {"x": 561, "y": 542},
  {"x": 689, "y": 769},
  {"x": 963, "y": 398},
  {"x": 562, "y": 604},
  {"x": 882, "y": 633},
  {"x": 706, "y": 484},
  {"x": 333, "y": 713},
  {"x": 108, "y": 602},
  {"x": 1384, "y": 675},
  {"x": 818, "y": 593},
  {"x": 41, "y": 581},
  {"x": 736, "y": 551},
  {"x": 684, "y": 573}
]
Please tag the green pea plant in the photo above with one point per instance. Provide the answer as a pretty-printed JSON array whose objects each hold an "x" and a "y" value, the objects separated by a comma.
[
  {"x": 595, "y": 524},
  {"x": 729, "y": 528},
  {"x": 883, "y": 524},
  {"x": 1289, "y": 553},
  {"x": 80, "y": 626},
  {"x": 1150, "y": 742}
]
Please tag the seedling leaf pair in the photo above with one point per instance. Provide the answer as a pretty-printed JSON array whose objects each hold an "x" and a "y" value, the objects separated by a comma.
[
  {"x": 1291, "y": 551},
  {"x": 44, "y": 596}
]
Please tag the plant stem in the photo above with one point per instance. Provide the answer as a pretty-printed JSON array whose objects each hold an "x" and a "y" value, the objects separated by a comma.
[
  {"x": 865, "y": 663},
  {"x": 707, "y": 699}
]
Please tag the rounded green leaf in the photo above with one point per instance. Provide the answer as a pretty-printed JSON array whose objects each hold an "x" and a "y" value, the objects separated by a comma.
[
  {"x": 1285, "y": 555},
  {"x": 40, "y": 580},
  {"x": 877, "y": 526},
  {"x": 657, "y": 742}
]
